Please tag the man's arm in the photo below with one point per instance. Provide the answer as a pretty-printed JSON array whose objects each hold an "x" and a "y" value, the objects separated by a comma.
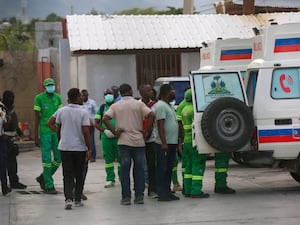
[
  {"x": 148, "y": 130},
  {"x": 106, "y": 120},
  {"x": 98, "y": 125},
  {"x": 161, "y": 133},
  {"x": 87, "y": 139},
  {"x": 51, "y": 124}
]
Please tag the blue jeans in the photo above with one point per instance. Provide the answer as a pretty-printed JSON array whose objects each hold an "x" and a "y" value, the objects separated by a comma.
[
  {"x": 164, "y": 166},
  {"x": 137, "y": 154}
]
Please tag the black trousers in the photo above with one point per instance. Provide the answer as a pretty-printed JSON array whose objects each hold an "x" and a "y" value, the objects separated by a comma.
[
  {"x": 12, "y": 165},
  {"x": 3, "y": 162},
  {"x": 151, "y": 166},
  {"x": 73, "y": 163}
]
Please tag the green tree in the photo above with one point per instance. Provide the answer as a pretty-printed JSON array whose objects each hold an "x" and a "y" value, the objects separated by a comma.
[
  {"x": 150, "y": 11},
  {"x": 52, "y": 17}
]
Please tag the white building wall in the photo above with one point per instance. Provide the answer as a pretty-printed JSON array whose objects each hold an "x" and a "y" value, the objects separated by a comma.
[
  {"x": 103, "y": 71},
  {"x": 189, "y": 61}
]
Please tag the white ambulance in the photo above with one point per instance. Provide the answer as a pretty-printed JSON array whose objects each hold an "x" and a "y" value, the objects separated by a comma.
[
  {"x": 273, "y": 91},
  {"x": 224, "y": 122}
]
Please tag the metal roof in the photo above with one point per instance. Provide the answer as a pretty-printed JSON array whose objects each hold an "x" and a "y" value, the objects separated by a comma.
[{"x": 100, "y": 33}]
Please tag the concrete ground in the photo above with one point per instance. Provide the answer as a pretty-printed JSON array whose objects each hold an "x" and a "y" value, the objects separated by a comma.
[{"x": 264, "y": 196}]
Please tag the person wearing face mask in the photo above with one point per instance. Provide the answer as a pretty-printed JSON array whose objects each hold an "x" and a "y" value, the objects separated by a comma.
[
  {"x": 165, "y": 143},
  {"x": 45, "y": 105},
  {"x": 11, "y": 130},
  {"x": 108, "y": 140}
]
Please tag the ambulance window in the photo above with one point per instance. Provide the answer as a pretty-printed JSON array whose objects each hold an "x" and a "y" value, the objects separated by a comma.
[
  {"x": 211, "y": 86},
  {"x": 285, "y": 83},
  {"x": 251, "y": 87}
]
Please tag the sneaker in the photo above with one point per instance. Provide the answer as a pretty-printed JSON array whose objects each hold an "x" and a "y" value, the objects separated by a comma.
[
  {"x": 5, "y": 191},
  {"x": 201, "y": 195},
  {"x": 83, "y": 197},
  {"x": 109, "y": 184},
  {"x": 50, "y": 191},
  {"x": 177, "y": 187},
  {"x": 18, "y": 185},
  {"x": 139, "y": 200},
  {"x": 40, "y": 180},
  {"x": 152, "y": 195},
  {"x": 173, "y": 197},
  {"x": 68, "y": 204},
  {"x": 79, "y": 204},
  {"x": 224, "y": 190},
  {"x": 92, "y": 160},
  {"x": 125, "y": 201}
]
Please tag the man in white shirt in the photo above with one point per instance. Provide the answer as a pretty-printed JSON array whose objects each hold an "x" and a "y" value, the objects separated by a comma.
[
  {"x": 91, "y": 106},
  {"x": 73, "y": 125}
]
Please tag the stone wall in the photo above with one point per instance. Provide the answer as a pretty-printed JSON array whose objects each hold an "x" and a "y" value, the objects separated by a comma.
[{"x": 18, "y": 74}]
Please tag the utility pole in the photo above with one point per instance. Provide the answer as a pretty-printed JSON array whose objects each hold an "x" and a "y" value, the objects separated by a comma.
[
  {"x": 23, "y": 13},
  {"x": 188, "y": 7}
]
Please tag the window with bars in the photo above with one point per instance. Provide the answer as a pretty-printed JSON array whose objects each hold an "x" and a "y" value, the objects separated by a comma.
[{"x": 150, "y": 66}]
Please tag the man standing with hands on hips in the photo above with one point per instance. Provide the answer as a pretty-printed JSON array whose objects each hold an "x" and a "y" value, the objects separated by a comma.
[{"x": 129, "y": 114}]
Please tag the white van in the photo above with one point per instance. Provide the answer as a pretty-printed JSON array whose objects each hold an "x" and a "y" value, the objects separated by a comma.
[
  {"x": 178, "y": 83},
  {"x": 272, "y": 120}
]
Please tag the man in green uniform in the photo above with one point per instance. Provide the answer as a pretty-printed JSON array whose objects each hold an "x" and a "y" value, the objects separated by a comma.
[
  {"x": 109, "y": 141},
  {"x": 45, "y": 105},
  {"x": 181, "y": 105},
  {"x": 195, "y": 162}
]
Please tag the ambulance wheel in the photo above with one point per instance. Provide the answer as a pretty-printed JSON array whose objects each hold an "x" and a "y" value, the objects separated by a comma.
[
  {"x": 227, "y": 124},
  {"x": 296, "y": 176}
]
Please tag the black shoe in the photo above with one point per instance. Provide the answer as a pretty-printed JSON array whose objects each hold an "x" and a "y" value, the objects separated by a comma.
[
  {"x": 202, "y": 195},
  {"x": 173, "y": 197},
  {"x": 164, "y": 199},
  {"x": 126, "y": 201},
  {"x": 50, "y": 191},
  {"x": 5, "y": 191},
  {"x": 18, "y": 186},
  {"x": 187, "y": 195},
  {"x": 40, "y": 180},
  {"x": 224, "y": 190},
  {"x": 83, "y": 197},
  {"x": 139, "y": 200}
]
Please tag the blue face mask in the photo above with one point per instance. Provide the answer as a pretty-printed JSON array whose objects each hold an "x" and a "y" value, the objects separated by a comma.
[
  {"x": 109, "y": 98},
  {"x": 50, "y": 89}
]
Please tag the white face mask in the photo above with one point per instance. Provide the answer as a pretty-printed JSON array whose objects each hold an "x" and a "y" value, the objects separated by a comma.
[
  {"x": 172, "y": 103},
  {"x": 50, "y": 89}
]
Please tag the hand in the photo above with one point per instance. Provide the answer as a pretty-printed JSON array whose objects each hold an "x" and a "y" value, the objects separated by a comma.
[
  {"x": 88, "y": 155},
  {"x": 164, "y": 147},
  {"x": 108, "y": 133}
]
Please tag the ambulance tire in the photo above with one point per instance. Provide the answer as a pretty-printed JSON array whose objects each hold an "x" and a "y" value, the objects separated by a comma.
[
  {"x": 227, "y": 124},
  {"x": 296, "y": 176}
]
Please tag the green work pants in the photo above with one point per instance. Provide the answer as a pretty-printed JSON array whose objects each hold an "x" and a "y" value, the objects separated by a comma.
[
  {"x": 221, "y": 168},
  {"x": 174, "y": 170},
  {"x": 110, "y": 155},
  {"x": 51, "y": 158},
  {"x": 194, "y": 170}
]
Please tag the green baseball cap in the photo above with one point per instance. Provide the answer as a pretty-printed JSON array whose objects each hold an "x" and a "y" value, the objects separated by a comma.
[{"x": 49, "y": 81}]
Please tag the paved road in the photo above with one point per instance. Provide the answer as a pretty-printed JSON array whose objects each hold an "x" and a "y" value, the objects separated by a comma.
[{"x": 264, "y": 196}]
